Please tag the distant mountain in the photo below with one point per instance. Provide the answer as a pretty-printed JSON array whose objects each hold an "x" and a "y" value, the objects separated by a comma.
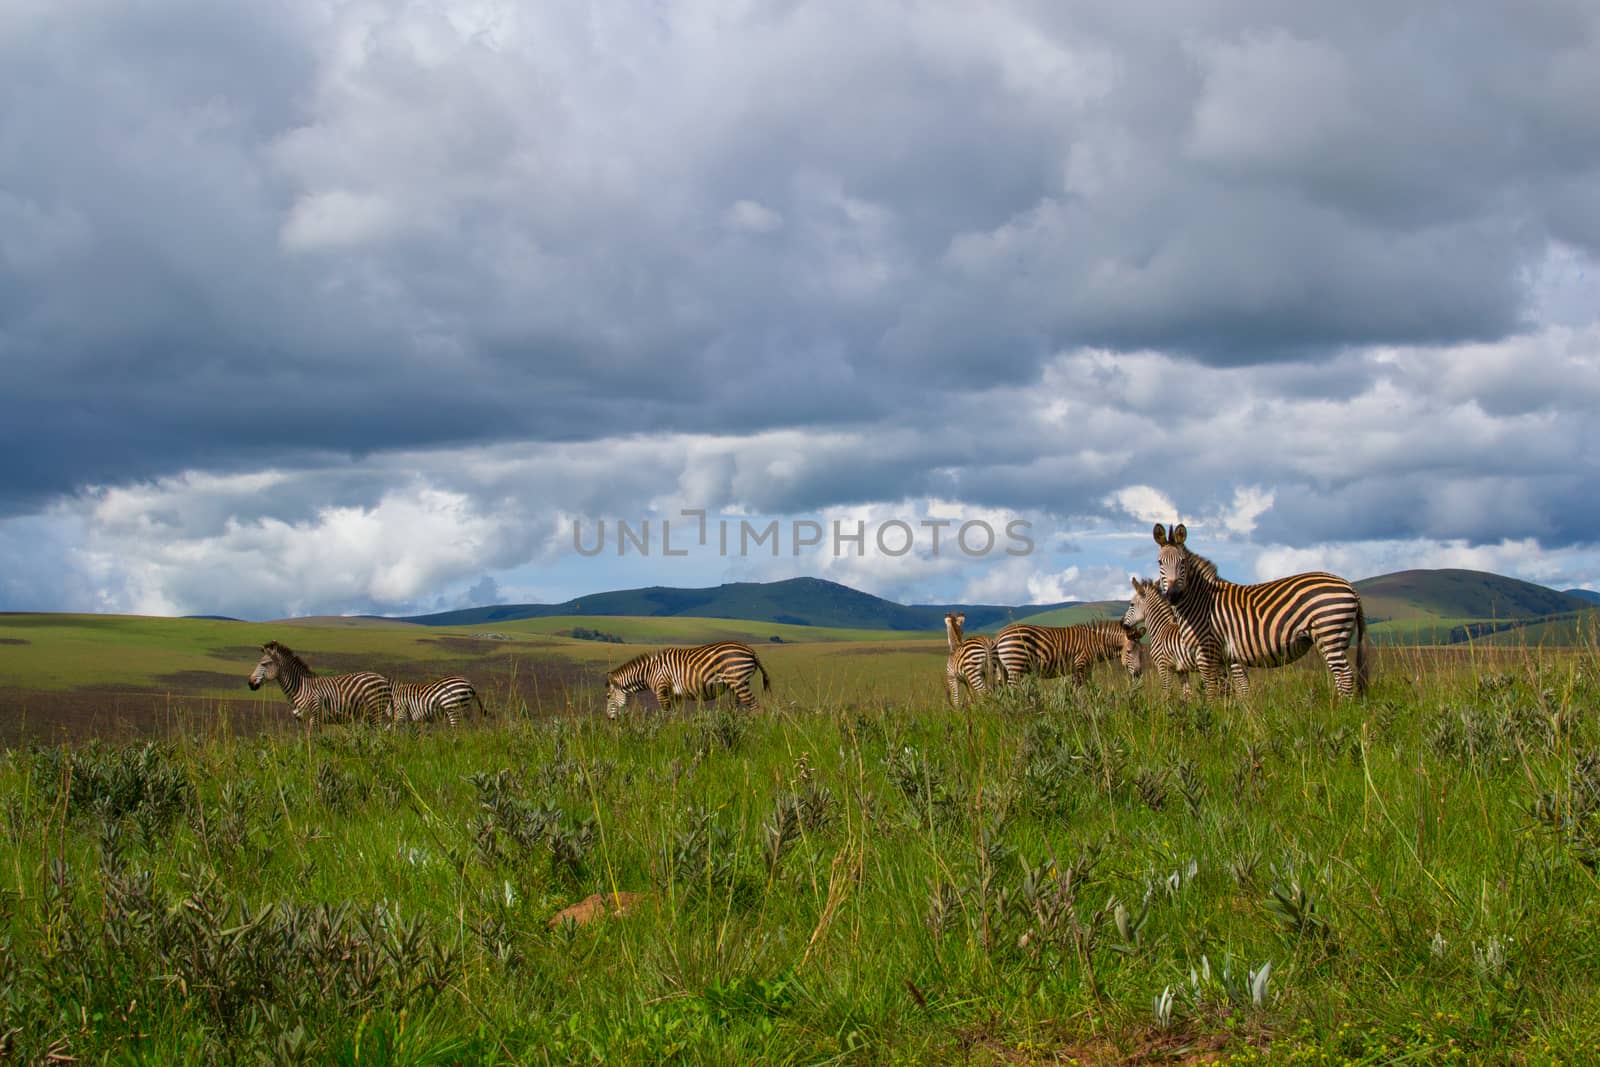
[
  {"x": 1460, "y": 594},
  {"x": 798, "y": 601},
  {"x": 1427, "y": 606}
]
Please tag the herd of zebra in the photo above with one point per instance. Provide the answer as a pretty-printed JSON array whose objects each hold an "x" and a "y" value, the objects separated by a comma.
[
  {"x": 1190, "y": 620},
  {"x": 1187, "y": 620}
]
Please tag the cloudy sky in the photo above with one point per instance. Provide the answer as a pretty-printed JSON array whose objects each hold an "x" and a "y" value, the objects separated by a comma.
[{"x": 332, "y": 307}]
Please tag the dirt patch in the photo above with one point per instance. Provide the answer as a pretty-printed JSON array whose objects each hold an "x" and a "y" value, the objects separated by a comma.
[
  {"x": 198, "y": 681},
  {"x": 598, "y": 906},
  {"x": 469, "y": 646},
  {"x": 54, "y": 716},
  {"x": 14, "y": 641},
  {"x": 178, "y": 704}
]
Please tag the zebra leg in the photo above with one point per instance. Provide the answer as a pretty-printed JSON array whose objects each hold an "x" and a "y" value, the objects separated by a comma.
[
  {"x": 952, "y": 686},
  {"x": 664, "y": 695},
  {"x": 1236, "y": 675},
  {"x": 1334, "y": 645},
  {"x": 743, "y": 694},
  {"x": 1211, "y": 673}
]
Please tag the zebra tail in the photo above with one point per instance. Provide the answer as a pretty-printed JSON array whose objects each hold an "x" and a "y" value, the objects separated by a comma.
[
  {"x": 1363, "y": 652},
  {"x": 766, "y": 683}
]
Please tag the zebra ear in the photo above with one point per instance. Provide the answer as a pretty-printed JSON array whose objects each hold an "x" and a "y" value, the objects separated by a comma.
[
  {"x": 1160, "y": 534},
  {"x": 1179, "y": 534}
]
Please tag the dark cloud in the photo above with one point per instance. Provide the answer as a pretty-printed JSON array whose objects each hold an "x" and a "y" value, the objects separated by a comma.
[
  {"x": 240, "y": 242},
  {"x": 468, "y": 270}
]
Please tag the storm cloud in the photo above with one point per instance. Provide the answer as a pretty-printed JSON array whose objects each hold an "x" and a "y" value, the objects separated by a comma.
[{"x": 432, "y": 279}]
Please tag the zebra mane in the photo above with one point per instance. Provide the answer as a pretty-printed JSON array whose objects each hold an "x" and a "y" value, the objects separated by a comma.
[
  {"x": 286, "y": 656},
  {"x": 1204, "y": 569},
  {"x": 616, "y": 672}
]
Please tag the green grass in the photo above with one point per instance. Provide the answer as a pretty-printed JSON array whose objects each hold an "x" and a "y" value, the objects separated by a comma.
[
  {"x": 200, "y": 658},
  {"x": 856, "y": 874},
  {"x": 652, "y": 630}
]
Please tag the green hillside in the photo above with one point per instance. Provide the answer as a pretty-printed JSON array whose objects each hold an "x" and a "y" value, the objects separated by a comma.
[
  {"x": 1460, "y": 594},
  {"x": 689, "y": 630},
  {"x": 794, "y": 601},
  {"x": 1076, "y": 613}
]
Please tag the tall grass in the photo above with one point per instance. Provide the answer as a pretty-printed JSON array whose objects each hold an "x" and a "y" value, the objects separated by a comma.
[{"x": 1052, "y": 874}]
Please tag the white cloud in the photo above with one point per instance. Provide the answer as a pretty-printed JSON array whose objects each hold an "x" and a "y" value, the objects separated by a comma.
[
  {"x": 752, "y": 217},
  {"x": 338, "y": 218},
  {"x": 1144, "y": 503}
]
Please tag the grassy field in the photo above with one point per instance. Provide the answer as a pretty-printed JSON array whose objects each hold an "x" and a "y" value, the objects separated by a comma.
[
  {"x": 855, "y": 874},
  {"x": 65, "y": 676}
]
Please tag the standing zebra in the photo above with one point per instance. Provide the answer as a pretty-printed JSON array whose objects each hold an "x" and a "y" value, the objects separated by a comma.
[
  {"x": 1173, "y": 645},
  {"x": 429, "y": 700},
  {"x": 315, "y": 698},
  {"x": 1051, "y": 651},
  {"x": 971, "y": 663},
  {"x": 699, "y": 673},
  {"x": 1264, "y": 625}
]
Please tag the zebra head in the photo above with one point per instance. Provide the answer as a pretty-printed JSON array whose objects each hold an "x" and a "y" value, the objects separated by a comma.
[
  {"x": 1173, "y": 559},
  {"x": 952, "y": 628},
  {"x": 1132, "y": 651},
  {"x": 1134, "y": 617},
  {"x": 616, "y": 698},
  {"x": 269, "y": 666}
]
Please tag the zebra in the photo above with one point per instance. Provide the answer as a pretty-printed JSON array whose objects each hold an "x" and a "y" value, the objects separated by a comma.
[
  {"x": 1051, "y": 651},
  {"x": 313, "y": 697},
  {"x": 1173, "y": 650},
  {"x": 971, "y": 663},
  {"x": 427, "y": 701},
  {"x": 699, "y": 673},
  {"x": 1268, "y": 624}
]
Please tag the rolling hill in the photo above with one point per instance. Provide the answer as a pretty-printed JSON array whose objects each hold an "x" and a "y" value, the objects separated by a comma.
[
  {"x": 795, "y": 601},
  {"x": 1460, "y": 594},
  {"x": 1444, "y": 606}
]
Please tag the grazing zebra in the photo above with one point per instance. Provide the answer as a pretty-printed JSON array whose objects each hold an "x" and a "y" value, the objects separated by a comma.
[
  {"x": 699, "y": 673},
  {"x": 1051, "y": 651},
  {"x": 1133, "y": 656},
  {"x": 1264, "y": 625},
  {"x": 1173, "y": 649},
  {"x": 315, "y": 698},
  {"x": 429, "y": 700},
  {"x": 971, "y": 661}
]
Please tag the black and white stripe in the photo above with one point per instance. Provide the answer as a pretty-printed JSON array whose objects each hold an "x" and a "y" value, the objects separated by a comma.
[
  {"x": 971, "y": 663},
  {"x": 426, "y": 701},
  {"x": 1051, "y": 651},
  {"x": 1171, "y": 644},
  {"x": 698, "y": 673},
  {"x": 1268, "y": 624},
  {"x": 315, "y": 698}
]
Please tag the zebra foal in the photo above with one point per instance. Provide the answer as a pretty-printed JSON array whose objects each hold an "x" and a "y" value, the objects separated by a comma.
[
  {"x": 426, "y": 701},
  {"x": 972, "y": 660},
  {"x": 1169, "y": 644}
]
